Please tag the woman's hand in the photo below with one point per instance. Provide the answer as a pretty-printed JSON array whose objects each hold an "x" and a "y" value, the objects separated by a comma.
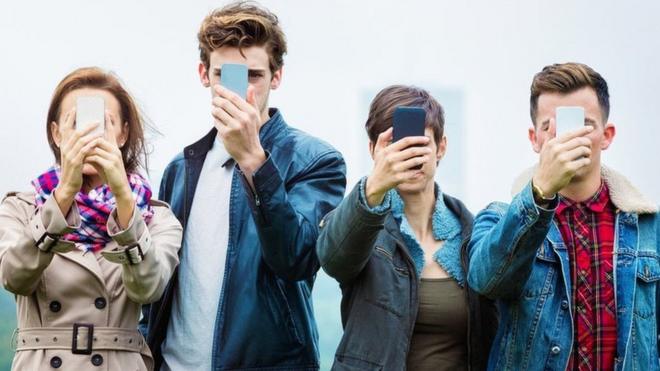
[
  {"x": 74, "y": 147},
  {"x": 394, "y": 163},
  {"x": 107, "y": 159}
]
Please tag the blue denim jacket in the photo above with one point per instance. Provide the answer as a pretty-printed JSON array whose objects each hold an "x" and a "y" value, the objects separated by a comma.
[
  {"x": 518, "y": 257},
  {"x": 265, "y": 319}
]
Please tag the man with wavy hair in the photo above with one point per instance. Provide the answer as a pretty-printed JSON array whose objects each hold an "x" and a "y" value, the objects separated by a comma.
[{"x": 250, "y": 195}]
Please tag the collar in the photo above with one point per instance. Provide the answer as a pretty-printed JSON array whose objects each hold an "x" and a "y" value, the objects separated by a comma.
[
  {"x": 267, "y": 133},
  {"x": 597, "y": 203}
]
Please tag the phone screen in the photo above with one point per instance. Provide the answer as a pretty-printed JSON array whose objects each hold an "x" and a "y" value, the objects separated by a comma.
[
  {"x": 235, "y": 78},
  {"x": 90, "y": 110},
  {"x": 569, "y": 118}
]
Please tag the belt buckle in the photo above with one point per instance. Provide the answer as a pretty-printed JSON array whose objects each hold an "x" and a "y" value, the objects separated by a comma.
[{"x": 90, "y": 338}]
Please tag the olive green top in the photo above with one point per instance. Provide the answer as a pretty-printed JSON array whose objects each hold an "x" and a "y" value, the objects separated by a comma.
[{"x": 439, "y": 339}]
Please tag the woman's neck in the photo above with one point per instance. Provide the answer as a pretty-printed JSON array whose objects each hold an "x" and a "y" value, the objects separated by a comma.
[
  {"x": 91, "y": 182},
  {"x": 418, "y": 208}
]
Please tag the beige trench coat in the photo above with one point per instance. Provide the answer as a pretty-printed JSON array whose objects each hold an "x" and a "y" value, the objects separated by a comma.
[{"x": 64, "y": 295}]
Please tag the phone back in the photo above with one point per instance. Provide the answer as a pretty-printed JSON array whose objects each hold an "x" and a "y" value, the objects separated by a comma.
[
  {"x": 235, "y": 78},
  {"x": 408, "y": 122}
]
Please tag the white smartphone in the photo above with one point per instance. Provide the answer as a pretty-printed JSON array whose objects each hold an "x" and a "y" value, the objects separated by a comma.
[
  {"x": 569, "y": 118},
  {"x": 90, "y": 110}
]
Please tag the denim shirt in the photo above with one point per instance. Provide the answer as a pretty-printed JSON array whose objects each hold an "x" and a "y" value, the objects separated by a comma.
[
  {"x": 265, "y": 318},
  {"x": 517, "y": 256}
]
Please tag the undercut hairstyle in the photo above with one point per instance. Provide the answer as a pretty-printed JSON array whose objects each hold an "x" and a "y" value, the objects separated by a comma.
[
  {"x": 383, "y": 106},
  {"x": 242, "y": 25},
  {"x": 567, "y": 78}
]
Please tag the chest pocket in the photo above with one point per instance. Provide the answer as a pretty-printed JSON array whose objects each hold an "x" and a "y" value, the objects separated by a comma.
[
  {"x": 648, "y": 275},
  {"x": 544, "y": 271},
  {"x": 387, "y": 281}
]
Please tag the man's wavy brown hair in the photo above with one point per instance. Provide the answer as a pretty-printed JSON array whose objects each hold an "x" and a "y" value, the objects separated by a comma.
[{"x": 242, "y": 25}]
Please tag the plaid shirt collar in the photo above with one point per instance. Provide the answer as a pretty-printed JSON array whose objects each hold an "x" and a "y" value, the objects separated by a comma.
[{"x": 597, "y": 203}]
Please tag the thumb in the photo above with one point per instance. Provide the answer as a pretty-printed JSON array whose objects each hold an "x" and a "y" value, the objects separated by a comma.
[
  {"x": 552, "y": 128},
  {"x": 252, "y": 97}
]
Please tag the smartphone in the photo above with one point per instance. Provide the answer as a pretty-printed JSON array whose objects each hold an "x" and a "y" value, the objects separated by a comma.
[
  {"x": 234, "y": 77},
  {"x": 408, "y": 122},
  {"x": 90, "y": 110},
  {"x": 569, "y": 118}
]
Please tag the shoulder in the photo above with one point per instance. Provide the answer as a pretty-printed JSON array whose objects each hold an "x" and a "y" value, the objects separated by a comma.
[
  {"x": 18, "y": 204},
  {"x": 306, "y": 146}
]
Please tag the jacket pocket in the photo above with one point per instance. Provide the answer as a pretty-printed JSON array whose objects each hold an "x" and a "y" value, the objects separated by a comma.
[
  {"x": 352, "y": 363},
  {"x": 542, "y": 277},
  {"x": 648, "y": 275},
  {"x": 289, "y": 319}
]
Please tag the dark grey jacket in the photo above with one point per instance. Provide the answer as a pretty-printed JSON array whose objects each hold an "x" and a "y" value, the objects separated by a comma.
[{"x": 366, "y": 254}]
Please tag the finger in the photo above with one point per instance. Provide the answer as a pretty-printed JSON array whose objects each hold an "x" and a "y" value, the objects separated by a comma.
[
  {"x": 224, "y": 118},
  {"x": 411, "y": 152},
  {"x": 110, "y": 130},
  {"x": 577, "y": 153},
  {"x": 552, "y": 128},
  {"x": 383, "y": 140},
  {"x": 100, "y": 161},
  {"x": 252, "y": 97},
  {"x": 227, "y": 106},
  {"x": 410, "y": 163},
  {"x": 67, "y": 124},
  {"x": 575, "y": 143},
  {"x": 84, "y": 148},
  {"x": 582, "y": 131},
  {"x": 579, "y": 163},
  {"x": 109, "y": 146},
  {"x": 406, "y": 142},
  {"x": 78, "y": 141}
]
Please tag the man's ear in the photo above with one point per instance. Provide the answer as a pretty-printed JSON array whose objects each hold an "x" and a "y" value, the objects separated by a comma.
[
  {"x": 536, "y": 144},
  {"x": 204, "y": 75},
  {"x": 276, "y": 80},
  {"x": 608, "y": 136}
]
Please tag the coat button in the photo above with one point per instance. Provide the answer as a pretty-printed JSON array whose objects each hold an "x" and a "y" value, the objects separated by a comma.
[
  {"x": 97, "y": 359},
  {"x": 100, "y": 303},
  {"x": 55, "y": 362},
  {"x": 564, "y": 304},
  {"x": 55, "y": 306},
  {"x": 555, "y": 350}
]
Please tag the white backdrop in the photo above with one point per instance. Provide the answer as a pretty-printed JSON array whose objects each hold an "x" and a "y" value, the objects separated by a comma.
[{"x": 340, "y": 52}]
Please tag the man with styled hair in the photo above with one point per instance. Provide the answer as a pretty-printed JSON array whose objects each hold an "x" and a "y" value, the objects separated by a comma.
[
  {"x": 573, "y": 260},
  {"x": 250, "y": 195}
]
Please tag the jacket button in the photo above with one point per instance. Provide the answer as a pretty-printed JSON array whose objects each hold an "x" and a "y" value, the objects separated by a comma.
[
  {"x": 100, "y": 303},
  {"x": 55, "y": 362},
  {"x": 555, "y": 350},
  {"x": 564, "y": 304},
  {"x": 55, "y": 306},
  {"x": 97, "y": 359}
]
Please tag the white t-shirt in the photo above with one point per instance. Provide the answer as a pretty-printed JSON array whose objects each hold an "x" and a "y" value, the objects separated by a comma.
[{"x": 189, "y": 341}]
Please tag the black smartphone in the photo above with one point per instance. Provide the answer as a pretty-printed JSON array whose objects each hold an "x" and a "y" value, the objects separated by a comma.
[{"x": 408, "y": 122}]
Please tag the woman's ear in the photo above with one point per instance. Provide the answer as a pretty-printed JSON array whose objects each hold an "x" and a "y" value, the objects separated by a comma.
[
  {"x": 55, "y": 133},
  {"x": 123, "y": 137}
]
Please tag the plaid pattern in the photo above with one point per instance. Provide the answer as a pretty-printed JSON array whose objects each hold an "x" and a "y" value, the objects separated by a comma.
[
  {"x": 588, "y": 231},
  {"x": 95, "y": 207}
]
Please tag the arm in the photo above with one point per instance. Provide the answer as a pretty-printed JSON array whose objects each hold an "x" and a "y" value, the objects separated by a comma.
[
  {"x": 348, "y": 235},
  {"x": 21, "y": 261},
  {"x": 287, "y": 220},
  {"x": 504, "y": 243},
  {"x": 159, "y": 243}
]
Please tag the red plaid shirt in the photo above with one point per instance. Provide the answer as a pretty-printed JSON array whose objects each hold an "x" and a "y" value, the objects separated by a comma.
[{"x": 588, "y": 232}]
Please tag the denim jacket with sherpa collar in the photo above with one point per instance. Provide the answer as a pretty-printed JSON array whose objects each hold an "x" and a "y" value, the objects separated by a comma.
[
  {"x": 518, "y": 256},
  {"x": 366, "y": 250}
]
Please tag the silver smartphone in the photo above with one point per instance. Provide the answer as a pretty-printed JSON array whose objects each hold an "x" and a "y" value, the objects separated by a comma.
[
  {"x": 569, "y": 118},
  {"x": 90, "y": 110}
]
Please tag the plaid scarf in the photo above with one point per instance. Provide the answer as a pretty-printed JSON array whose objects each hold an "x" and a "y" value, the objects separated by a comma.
[{"x": 95, "y": 207}]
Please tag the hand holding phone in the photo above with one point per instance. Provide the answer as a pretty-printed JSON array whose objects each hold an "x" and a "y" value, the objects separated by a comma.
[
  {"x": 234, "y": 77},
  {"x": 408, "y": 122},
  {"x": 90, "y": 110}
]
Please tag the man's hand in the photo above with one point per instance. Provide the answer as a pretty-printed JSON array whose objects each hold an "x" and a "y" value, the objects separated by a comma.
[
  {"x": 238, "y": 123},
  {"x": 560, "y": 158},
  {"x": 393, "y": 164}
]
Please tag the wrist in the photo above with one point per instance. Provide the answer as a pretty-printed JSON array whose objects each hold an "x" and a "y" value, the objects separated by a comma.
[
  {"x": 374, "y": 197},
  {"x": 253, "y": 162},
  {"x": 541, "y": 196},
  {"x": 64, "y": 193}
]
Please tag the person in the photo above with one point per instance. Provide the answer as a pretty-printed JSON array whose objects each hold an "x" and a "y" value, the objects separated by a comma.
[
  {"x": 250, "y": 195},
  {"x": 396, "y": 246},
  {"x": 88, "y": 245},
  {"x": 573, "y": 259}
]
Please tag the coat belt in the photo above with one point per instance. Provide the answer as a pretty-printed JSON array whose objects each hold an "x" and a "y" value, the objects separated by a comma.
[{"x": 102, "y": 338}]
